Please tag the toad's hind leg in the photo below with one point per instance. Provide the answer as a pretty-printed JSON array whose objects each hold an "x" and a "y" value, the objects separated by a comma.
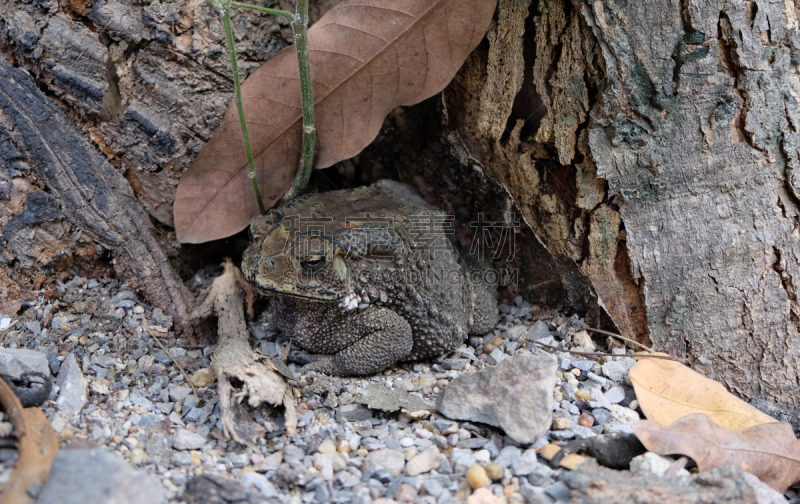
[{"x": 387, "y": 339}]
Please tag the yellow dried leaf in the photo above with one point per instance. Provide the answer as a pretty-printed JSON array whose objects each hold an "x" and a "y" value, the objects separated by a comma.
[{"x": 668, "y": 390}]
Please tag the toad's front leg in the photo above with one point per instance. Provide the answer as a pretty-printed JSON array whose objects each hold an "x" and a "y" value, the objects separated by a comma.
[{"x": 387, "y": 339}]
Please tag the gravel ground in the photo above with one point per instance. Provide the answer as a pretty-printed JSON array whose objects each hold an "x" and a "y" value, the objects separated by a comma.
[{"x": 139, "y": 405}]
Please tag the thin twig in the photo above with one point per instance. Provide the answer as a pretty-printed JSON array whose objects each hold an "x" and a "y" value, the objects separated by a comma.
[
  {"x": 285, "y": 353},
  {"x": 603, "y": 354},
  {"x": 276, "y": 12},
  {"x": 225, "y": 11},
  {"x": 623, "y": 338},
  {"x": 185, "y": 376}
]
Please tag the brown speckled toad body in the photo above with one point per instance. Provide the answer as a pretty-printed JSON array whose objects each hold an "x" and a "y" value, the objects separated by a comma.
[{"x": 367, "y": 277}]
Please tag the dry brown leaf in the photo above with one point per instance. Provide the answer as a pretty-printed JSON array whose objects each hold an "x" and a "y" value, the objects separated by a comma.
[
  {"x": 769, "y": 451},
  {"x": 367, "y": 57},
  {"x": 38, "y": 445},
  {"x": 668, "y": 390},
  {"x": 234, "y": 358}
]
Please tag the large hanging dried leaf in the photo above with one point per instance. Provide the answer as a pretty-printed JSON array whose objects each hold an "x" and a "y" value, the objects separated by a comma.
[
  {"x": 668, "y": 390},
  {"x": 367, "y": 57},
  {"x": 769, "y": 451}
]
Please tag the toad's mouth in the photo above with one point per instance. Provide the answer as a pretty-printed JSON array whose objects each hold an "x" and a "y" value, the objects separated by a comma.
[{"x": 320, "y": 296}]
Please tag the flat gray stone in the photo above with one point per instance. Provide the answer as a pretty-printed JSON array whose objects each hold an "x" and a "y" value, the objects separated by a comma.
[
  {"x": 618, "y": 368},
  {"x": 497, "y": 356},
  {"x": 538, "y": 330},
  {"x": 515, "y": 395},
  {"x": 615, "y": 395},
  {"x": 178, "y": 394},
  {"x": 424, "y": 462},
  {"x": 15, "y": 361},
  {"x": 73, "y": 387},
  {"x": 508, "y": 456},
  {"x": 463, "y": 457},
  {"x": 433, "y": 487},
  {"x": 187, "y": 440},
  {"x": 525, "y": 464},
  {"x": 98, "y": 476},
  {"x": 352, "y": 413},
  {"x": 727, "y": 484},
  {"x": 455, "y": 364},
  {"x": 380, "y": 396},
  {"x": 260, "y": 483},
  {"x": 393, "y": 460}
]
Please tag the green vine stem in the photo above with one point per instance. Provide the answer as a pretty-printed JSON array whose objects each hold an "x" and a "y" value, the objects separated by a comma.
[
  {"x": 300, "y": 29},
  {"x": 225, "y": 11},
  {"x": 299, "y": 24}
]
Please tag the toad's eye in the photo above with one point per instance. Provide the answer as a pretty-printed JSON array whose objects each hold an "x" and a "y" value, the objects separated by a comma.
[{"x": 313, "y": 263}]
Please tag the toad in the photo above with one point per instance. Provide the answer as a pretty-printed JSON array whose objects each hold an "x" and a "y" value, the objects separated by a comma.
[{"x": 363, "y": 278}]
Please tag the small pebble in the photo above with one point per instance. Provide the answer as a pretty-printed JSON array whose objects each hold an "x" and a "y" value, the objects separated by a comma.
[
  {"x": 494, "y": 471},
  {"x": 476, "y": 476},
  {"x": 615, "y": 395},
  {"x": 406, "y": 493},
  {"x": 561, "y": 424},
  {"x": 327, "y": 447},
  {"x": 203, "y": 377},
  {"x": 483, "y": 496},
  {"x": 549, "y": 451},
  {"x": 344, "y": 452},
  {"x": 572, "y": 461},
  {"x": 582, "y": 338},
  {"x": 511, "y": 488},
  {"x": 138, "y": 456},
  {"x": 493, "y": 344},
  {"x": 187, "y": 440}
]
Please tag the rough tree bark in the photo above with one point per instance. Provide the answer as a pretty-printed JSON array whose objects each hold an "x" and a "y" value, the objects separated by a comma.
[
  {"x": 148, "y": 85},
  {"x": 696, "y": 135},
  {"x": 93, "y": 197},
  {"x": 651, "y": 145},
  {"x": 669, "y": 137}
]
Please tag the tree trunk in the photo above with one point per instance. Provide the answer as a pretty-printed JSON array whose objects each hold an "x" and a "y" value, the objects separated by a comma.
[
  {"x": 663, "y": 160},
  {"x": 696, "y": 135}
]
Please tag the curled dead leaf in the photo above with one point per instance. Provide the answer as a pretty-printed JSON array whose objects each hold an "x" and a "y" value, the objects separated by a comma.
[
  {"x": 667, "y": 391},
  {"x": 367, "y": 57},
  {"x": 769, "y": 451},
  {"x": 38, "y": 445},
  {"x": 234, "y": 358}
]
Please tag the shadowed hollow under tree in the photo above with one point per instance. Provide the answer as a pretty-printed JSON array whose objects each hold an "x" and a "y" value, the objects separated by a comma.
[{"x": 651, "y": 145}]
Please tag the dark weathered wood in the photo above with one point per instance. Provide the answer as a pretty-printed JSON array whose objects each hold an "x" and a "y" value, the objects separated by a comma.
[
  {"x": 92, "y": 195},
  {"x": 148, "y": 81}
]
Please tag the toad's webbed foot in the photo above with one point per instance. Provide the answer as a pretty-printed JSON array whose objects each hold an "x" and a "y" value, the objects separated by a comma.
[{"x": 301, "y": 357}]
